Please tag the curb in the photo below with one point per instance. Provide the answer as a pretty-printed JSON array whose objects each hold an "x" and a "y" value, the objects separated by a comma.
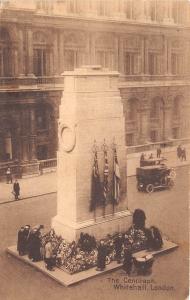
[{"x": 35, "y": 196}]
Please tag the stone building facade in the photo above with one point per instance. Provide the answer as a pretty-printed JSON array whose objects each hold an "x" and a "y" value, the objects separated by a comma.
[{"x": 146, "y": 41}]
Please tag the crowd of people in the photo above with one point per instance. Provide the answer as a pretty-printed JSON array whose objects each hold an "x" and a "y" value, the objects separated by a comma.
[{"x": 87, "y": 252}]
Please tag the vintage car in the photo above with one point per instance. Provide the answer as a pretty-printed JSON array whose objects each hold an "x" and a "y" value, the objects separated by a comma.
[{"x": 154, "y": 177}]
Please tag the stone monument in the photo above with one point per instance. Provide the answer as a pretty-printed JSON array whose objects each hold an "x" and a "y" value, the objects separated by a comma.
[{"x": 91, "y": 109}]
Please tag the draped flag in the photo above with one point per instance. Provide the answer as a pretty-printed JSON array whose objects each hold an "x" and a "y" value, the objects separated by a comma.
[
  {"x": 96, "y": 189},
  {"x": 105, "y": 181},
  {"x": 116, "y": 179}
]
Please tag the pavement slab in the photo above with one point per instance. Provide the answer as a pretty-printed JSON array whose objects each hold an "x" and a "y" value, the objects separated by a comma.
[{"x": 67, "y": 279}]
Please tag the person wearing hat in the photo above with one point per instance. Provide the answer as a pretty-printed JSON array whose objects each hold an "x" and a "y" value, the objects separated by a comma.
[
  {"x": 21, "y": 242},
  {"x": 101, "y": 257},
  {"x": 16, "y": 189}
]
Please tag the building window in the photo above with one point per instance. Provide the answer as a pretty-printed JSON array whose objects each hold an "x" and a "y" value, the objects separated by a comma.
[
  {"x": 131, "y": 63},
  {"x": 40, "y": 62},
  {"x": 5, "y": 54},
  {"x": 130, "y": 139},
  {"x": 42, "y": 152},
  {"x": 154, "y": 63},
  {"x": 71, "y": 60},
  {"x": 105, "y": 58},
  {"x": 41, "y": 118},
  {"x": 175, "y": 133},
  {"x": 154, "y": 109},
  {"x": 176, "y": 63},
  {"x": 176, "y": 109},
  {"x": 131, "y": 110},
  {"x": 153, "y": 136}
]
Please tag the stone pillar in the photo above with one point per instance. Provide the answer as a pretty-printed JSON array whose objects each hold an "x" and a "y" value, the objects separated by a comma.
[
  {"x": 32, "y": 138},
  {"x": 146, "y": 60},
  {"x": 147, "y": 10},
  {"x": 167, "y": 119},
  {"x": 92, "y": 48},
  {"x": 168, "y": 11},
  {"x": 55, "y": 54},
  {"x": 121, "y": 55},
  {"x": 169, "y": 56},
  {"x": 24, "y": 135},
  {"x": 21, "y": 56},
  {"x": 83, "y": 118},
  {"x": 144, "y": 123},
  {"x": 30, "y": 52},
  {"x": 61, "y": 52}
]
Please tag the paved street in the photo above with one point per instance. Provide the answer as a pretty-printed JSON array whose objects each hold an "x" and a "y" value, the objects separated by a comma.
[
  {"x": 29, "y": 187},
  {"x": 166, "y": 209}
]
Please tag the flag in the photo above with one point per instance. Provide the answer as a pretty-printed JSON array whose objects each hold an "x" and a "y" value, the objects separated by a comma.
[
  {"x": 96, "y": 189},
  {"x": 105, "y": 181},
  {"x": 116, "y": 179}
]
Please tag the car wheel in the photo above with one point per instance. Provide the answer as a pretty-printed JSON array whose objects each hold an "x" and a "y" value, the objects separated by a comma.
[
  {"x": 139, "y": 187},
  {"x": 170, "y": 183},
  {"x": 150, "y": 188}
]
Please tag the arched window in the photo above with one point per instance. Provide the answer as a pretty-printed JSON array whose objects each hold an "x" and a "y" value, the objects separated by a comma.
[{"x": 5, "y": 51}]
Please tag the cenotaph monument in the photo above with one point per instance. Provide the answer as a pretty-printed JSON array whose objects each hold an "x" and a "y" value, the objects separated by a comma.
[{"x": 91, "y": 110}]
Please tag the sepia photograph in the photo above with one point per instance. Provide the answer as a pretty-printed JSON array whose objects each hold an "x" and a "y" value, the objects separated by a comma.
[{"x": 94, "y": 149}]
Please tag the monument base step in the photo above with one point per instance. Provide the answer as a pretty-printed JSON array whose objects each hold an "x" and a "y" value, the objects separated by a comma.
[{"x": 69, "y": 279}]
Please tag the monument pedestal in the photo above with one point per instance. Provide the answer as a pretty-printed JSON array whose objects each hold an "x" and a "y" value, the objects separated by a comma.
[{"x": 91, "y": 110}]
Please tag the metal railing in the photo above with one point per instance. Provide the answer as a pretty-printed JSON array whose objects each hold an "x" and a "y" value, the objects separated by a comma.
[
  {"x": 35, "y": 82},
  {"x": 152, "y": 146},
  {"x": 48, "y": 163}
]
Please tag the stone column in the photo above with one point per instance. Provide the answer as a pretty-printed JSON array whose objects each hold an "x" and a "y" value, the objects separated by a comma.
[
  {"x": 61, "y": 52},
  {"x": 55, "y": 54},
  {"x": 15, "y": 61},
  {"x": 21, "y": 56},
  {"x": 121, "y": 55},
  {"x": 30, "y": 71},
  {"x": 147, "y": 10},
  {"x": 83, "y": 118},
  {"x": 168, "y": 11},
  {"x": 144, "y": 122},
  {"x": 167, "y": 119},
  {"x": 169, "y": 56},
  {"x": 24, "y": 135},
  {"x": 92, "y": 48},
  {"x": 32, "y": 138},
  {"x": 146, "y": 60},
  {"x": 116, "y": 53}
]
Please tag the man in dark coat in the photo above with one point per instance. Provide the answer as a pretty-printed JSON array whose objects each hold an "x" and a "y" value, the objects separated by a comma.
[
  {"x": 101, "y": 257},
  {"x": 21, "y": 242},
  {"x": 16, "y": 189},
  {"x": 26, "y": 237},
  {"x": 159, "y": 151}
]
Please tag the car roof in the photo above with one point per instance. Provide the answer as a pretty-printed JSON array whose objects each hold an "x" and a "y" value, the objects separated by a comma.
[{"x": 153, "y": 167}]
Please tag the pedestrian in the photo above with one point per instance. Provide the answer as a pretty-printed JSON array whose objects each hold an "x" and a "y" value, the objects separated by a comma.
[
  {"x": 151, "y": 156},
  {"x": 142, "y": 158},
  {"x": 16, "y": 189},
  {"x": 179, "y": 150},
  {"x": 21, "y": 242},
  {"x": 118, "y": 243},
  {"x": 9, "y": 175},
  {"x": 183, "y": 154},
  {"x": 101, "y": 257},
  {"x": 26, "y": 238},
  {"x": 158, "y": 152},
  {"x": 48, "y": 256}
]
